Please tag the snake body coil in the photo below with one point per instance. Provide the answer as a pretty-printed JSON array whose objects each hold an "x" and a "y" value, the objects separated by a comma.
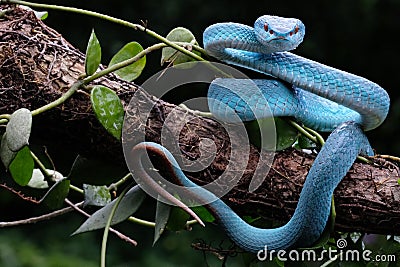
[{"x": 322, "y": 97}]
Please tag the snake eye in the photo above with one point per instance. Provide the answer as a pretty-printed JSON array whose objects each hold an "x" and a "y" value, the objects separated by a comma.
[
  {"x": 266, "y": 27},
  {"x": 271, "y": 31},
  {"x": 296, "y": 29}
]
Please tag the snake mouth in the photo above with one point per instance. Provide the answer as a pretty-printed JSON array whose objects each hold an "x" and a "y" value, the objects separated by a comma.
[
  {"x": 278, "y": 39},
  {"x": 280, "y": 43}
]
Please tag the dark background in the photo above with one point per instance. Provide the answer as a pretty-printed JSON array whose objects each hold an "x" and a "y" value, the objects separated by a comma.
[{"x": 358, "y": 36}]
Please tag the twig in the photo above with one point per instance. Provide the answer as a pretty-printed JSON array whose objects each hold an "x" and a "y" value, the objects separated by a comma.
[
  {"x": 118, "y": 234},
  {"x": 38, "y": 218},
  {"x": 19, "y": 194}
]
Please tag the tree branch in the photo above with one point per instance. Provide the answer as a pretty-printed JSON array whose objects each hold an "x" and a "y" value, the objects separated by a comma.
[{"x": 37, "y": 66}]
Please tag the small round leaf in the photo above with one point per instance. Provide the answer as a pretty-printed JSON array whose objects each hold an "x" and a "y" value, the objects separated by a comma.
[
  {"x": 18, "y": 129},
  {"x": 21, "y": 168},
  {"x": 132, "y": 71},
  {"x": 169, "y": 54},
  {"x": 108, "y": 109},
  {"x": 6, "y": 154}
]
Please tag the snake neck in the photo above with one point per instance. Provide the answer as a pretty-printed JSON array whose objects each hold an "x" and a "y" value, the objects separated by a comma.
[{"x": 221, "y": 36}]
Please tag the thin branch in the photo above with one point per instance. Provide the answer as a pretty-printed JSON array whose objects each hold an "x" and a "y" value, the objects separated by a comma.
[
  {"x": 118, "y": 234},
  {"x": 39, "y": 218}
]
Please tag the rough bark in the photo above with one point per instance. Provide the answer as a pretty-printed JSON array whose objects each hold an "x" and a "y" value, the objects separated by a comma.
[{"x": 37, "y": 66}]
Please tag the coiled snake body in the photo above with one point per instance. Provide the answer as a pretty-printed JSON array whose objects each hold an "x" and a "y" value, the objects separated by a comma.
[{"x": 322, "y": 97}]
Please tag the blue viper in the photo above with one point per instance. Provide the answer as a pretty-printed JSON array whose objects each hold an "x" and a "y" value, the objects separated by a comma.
[{"x": 321, "y": 97}]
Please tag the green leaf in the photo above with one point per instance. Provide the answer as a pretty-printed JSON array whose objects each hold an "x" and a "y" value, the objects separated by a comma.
[
  {"x": 93, "y": 55},
  {"x": 42, "y": 15},
  {"x": 21, "y": 168},
  {"x": 128, "y": 205},
  {"x": 249, "y": 219},
  {"x": 38, "y": 180},
  {"x": 162, "y": 215},
  {"x": 305, "y": 143},
  {"x": 259, "y": 134},
  {"x": 132, "y": 71},
  {"x": 286, "y": 134},
  {"x": 96, "y": 195},
  {"x": 169, "y": 54},
  {"x": 18, "y": 129},
  {"x": 177, "y": 220},
  {"x": 108, "y": 109},
  {"x": 6, "y": 154},
  {"x": 94, "y": 171},
  {"x": 203, "y": 213},
  {"x": 56, "y": 195}
]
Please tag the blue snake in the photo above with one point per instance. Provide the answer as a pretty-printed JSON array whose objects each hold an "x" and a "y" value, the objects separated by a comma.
[{"x": 321, "y": 97}]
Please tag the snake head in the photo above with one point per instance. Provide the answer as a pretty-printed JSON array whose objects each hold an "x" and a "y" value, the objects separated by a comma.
[{"x": 279, "y": 34}]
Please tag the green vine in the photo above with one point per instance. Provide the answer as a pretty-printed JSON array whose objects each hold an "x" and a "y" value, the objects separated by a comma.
[
  {"x": 134, "y": 26},
  {"x": 107, "y": 228}
]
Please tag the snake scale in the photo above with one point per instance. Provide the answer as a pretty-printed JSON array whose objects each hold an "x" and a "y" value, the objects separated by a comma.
[{"x": 321, "y": 97}]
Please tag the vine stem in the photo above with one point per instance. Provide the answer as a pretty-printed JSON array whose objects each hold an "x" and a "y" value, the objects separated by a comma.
[
  {"x": 91, "y": 78},
  {"x": 165, "y": 42},
  {"x": 60, "y": 100},
  {"x": 5, "y": 116},
  {"x": 121, "y": 181},
  {"x": 306, "y": 133},
  {"x": 108, "y": 18},
  {"x": 122, "y": 64},
  {"x": 389, "y": 157},
  {"x": 48, "y": 177},
  {"x": 108, "y": 225}
]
